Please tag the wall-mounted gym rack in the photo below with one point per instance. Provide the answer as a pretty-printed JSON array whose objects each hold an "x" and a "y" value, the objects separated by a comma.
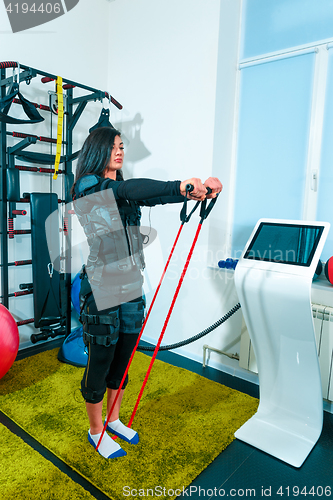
[{"x": 54, "y": 318}]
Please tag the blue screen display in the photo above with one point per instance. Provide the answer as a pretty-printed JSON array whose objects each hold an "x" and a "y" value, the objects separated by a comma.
[{"x": 284, "y": 243}]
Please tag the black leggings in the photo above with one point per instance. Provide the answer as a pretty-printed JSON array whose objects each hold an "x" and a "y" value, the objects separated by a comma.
[{"x": 107, "y": 364}]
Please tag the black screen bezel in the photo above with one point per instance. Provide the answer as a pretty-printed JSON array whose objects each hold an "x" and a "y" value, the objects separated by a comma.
[{"x": 281, "y": 224}]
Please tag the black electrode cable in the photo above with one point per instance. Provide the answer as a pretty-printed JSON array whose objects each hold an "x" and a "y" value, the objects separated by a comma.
[{"x": 195, "y": 337}]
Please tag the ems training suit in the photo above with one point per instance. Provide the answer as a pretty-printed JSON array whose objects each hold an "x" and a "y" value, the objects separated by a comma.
[{"x": 112, "y": 306}]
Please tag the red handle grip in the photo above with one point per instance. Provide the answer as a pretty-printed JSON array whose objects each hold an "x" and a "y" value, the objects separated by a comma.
[
  {"x": 47, "y": 79},
  {"x": 26, "y": 292},
  {"x": 39, "y": 138},
  {"x": 8, "y": 64},
  {"x": 40, "y": 106},
  {"x": 113, "y": 100},
  {"x": 22, "y": 231},
  {"x": 19, "y": 212},
  {"x": 25, "y": 321}
]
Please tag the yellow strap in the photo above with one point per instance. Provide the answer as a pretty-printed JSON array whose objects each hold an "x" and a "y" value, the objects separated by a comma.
[{"x": 60, "y": 123}]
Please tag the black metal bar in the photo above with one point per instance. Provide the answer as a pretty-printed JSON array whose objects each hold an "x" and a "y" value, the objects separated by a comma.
[
  {"x": 28, "y": 169},
  {"x": 23, "y": 135},
  {"x": 11, "y": 204},
  {"x": 32, "y": 72},
  {"x": 12, "y": 207},
  {"x": 22, "y": 262},
  {"x": 95, "y": 96},
  {"x": 44, "y": 170},
  {"x": 22, "y": 145},
  {"x": 21, "y": 231},
  {"x": 20, "y": 294},
  {"x": 24, "y": 76},
  {"x": 26, "y": 286},
  {"x": 78, "y": 112},
  {"x": 72, "y": 156},
  {"x": 26, "y": 199},
  {"x": 39, "y": 106},
  {"x": 18, "y": 263},
  {"x": 64, "y": 80},
  {"x": 39, "y": 170},
  {"x": 75, "y": 84}
]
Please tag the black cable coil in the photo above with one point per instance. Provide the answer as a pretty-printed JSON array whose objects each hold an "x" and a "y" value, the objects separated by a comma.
[{"x": 196, "y": 337}]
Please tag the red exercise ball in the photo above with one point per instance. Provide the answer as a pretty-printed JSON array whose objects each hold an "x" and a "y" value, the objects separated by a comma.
[
  {"x": 9, "y": 340},
  {"x": 329, "y": 270}
]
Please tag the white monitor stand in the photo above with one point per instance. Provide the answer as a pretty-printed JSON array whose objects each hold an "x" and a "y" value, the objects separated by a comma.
[{"x": 273, "y": 280}]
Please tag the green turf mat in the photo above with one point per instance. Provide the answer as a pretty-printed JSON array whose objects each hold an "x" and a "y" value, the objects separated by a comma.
[
  {"x": 25, "y": 474},
  {"x": 184, "y": 421}
]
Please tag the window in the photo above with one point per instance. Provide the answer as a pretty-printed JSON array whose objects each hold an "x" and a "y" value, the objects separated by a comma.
[
  {"x": 273, "y": 135},
  {"x": 277, "y": 25},
  {"x": 284, "y": 157},
  {"x": 325, "y": 184}
]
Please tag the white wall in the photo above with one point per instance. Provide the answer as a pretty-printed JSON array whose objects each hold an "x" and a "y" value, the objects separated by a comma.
[
  {"x": 75, "y": 47},
  {"x": 71, "y": 45},
  {"x": 173, "y": 65}
]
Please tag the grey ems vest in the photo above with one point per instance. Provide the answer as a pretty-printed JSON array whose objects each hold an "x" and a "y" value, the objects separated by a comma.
[{"x": 112, "y": 229}]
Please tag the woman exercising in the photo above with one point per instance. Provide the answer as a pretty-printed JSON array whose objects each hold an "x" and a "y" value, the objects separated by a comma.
[{"x": 112, "y": 306}]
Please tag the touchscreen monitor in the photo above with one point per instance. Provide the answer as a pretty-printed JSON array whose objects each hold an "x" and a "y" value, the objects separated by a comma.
[{"x": 284, "y": 243}]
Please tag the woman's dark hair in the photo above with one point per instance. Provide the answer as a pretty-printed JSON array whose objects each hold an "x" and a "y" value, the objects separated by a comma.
[{"x": 95, "y": 153}]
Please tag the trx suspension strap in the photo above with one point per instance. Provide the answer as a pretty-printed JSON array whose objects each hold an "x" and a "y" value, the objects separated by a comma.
[
  {"x": 184, "y": 218},
  {"x": 28, "y": 107},
  {"x": 60, "y": 123},
  {"x": 204, "y": 212}
]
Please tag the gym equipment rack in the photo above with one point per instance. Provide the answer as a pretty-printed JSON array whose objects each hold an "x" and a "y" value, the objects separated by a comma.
[{"x": 9, "y": 181}]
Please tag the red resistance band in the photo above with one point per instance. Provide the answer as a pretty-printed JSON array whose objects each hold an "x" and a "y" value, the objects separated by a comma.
[
  {"x": 203, "y": 214},
  {"x": 165, "y": 324},
  {"x": 140, "y": 335}
]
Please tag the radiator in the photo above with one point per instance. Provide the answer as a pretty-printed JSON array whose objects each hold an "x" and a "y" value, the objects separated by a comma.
[{"x": 323, "y": 325}]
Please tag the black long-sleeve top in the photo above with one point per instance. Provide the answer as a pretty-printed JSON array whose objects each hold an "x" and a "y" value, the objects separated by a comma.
[{"x": 145, "y": 192}]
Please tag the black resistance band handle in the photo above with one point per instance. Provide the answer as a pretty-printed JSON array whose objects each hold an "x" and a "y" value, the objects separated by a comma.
[
  {"x": 190, "y": 187},
  {"x": 183, "y": 213},
  {"x": 204, "y": 212}
]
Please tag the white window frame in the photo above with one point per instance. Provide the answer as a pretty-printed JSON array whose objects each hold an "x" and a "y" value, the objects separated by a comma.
[{"x": 321, "y": 49}]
